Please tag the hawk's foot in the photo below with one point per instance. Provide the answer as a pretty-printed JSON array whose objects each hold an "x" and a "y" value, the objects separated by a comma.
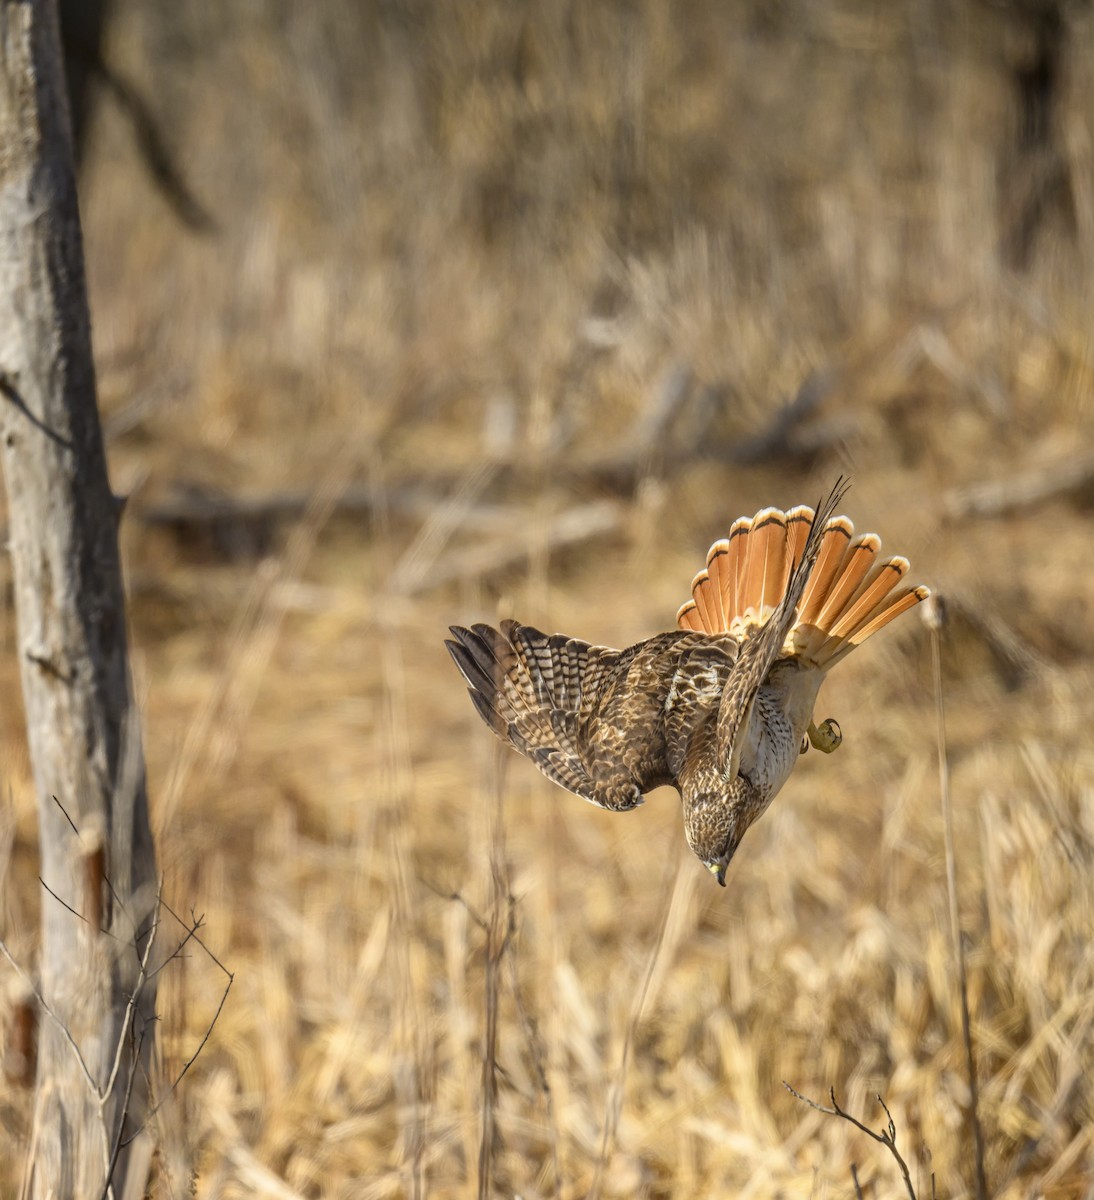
[{"x": 826, "y": 736}]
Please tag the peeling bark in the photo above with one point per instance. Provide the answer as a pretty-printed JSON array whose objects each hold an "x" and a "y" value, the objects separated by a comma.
[{"x": 97, "y": 856}]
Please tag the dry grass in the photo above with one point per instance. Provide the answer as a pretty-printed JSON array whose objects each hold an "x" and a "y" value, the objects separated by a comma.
[{"x": 461, "y": 251}]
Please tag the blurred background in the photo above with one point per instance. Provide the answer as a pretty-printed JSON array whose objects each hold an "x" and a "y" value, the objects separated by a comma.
[{"x": 410, "y": 313}]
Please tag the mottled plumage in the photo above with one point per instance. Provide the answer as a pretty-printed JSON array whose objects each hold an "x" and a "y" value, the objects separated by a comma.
[{"x": 721, "y": 707}]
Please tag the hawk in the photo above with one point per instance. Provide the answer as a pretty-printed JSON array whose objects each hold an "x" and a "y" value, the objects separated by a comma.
[{"x": 721, "y": 707}]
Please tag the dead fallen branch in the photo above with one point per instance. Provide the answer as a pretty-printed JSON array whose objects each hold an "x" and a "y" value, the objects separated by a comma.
[
  {"x": 243, "y": 525},
  {"x": 569, "y": 528},
  {"x": 193, "y": 509},
  {"x": 1022, "y": 492},
  {"x": 788, "y": 436}
]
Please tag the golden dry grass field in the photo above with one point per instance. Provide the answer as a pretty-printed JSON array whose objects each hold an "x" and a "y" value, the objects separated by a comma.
[{"x": 499, "y": 312}]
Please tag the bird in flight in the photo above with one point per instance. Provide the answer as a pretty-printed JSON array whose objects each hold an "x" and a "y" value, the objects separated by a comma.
[{"x": 721, "y": 707}]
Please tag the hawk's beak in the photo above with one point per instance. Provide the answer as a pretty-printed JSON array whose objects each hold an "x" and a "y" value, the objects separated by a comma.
[{"x": 718, "y": 870}]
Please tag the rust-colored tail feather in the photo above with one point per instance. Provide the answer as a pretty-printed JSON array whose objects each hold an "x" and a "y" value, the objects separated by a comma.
[
  {"x": 762, "y": 582},
  {"x": 900, "y": 603},
  {"x": 836, "y": 539},
  {"x": 854, "y": 568},
  {"x": 871, "y": 595},
  {"x": 688, "y": 617},
  {"x": 713, "y": 602},
  {"x": 851, "y": 593},
  {"x": 799, "y": 521},
  {"x": 706, "y": 601}
]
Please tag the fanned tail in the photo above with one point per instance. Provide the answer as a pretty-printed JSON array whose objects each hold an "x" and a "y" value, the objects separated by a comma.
[
  {"x": 850, "y": 594},
  {"x": 865, "y": 595}
]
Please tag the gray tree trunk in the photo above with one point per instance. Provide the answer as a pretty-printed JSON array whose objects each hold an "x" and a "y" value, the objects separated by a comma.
[{"x": 96, "y": 845}]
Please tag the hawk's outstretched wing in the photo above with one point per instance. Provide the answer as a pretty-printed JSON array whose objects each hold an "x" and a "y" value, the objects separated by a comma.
[{"x": 589, "y": 717}]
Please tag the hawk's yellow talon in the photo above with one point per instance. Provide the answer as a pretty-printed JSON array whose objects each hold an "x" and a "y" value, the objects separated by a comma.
[{"x": 826, "y": 736}]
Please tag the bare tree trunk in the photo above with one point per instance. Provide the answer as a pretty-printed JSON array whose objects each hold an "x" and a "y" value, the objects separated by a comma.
[{"x": 96, "y": 844}]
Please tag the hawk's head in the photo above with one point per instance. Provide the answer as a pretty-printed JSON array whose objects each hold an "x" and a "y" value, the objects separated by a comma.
[{"x": 715, "y": 820}]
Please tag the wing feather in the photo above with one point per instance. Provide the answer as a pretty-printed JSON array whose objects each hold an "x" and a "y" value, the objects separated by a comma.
[{"x": 585, "y": 715}]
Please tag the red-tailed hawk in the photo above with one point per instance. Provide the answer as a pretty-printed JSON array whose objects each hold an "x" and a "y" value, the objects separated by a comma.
[{"x": 721, "y": 707}]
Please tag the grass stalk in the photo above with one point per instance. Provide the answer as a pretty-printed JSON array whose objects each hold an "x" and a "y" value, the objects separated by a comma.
[
  {"x": 499, "y": 932},
  {"x": 935, "y": 618}
]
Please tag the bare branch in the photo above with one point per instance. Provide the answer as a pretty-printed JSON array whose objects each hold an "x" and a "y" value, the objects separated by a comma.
[
  {"x": 134, "y": 1062},
  {"x": 130, "y": 1008},
  {"x": 886, "y": 1138},
  {"x": 569, "y": 528}
]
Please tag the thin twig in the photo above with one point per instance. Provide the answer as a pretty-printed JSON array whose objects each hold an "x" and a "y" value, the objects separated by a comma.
[
  {"x": 460, "y": 899},
  {"x": 68, "y": 818},
  {"x": 854, "y": 1180},
  {"x": 195, "y": 924},
  {"x": 131, "y": 1007},
  {"x": 191, "y": 933},
  {"x": 887, "y": 1137},
  {"x": 189, "y": 1062},
  {"x": 528, "y": 1023},
  {"x": 64, "y": 903},
  {"x": 127, "y": 1033},
  {"x": 134, "y": 1060},
  {"x": 113, "y": 892}
]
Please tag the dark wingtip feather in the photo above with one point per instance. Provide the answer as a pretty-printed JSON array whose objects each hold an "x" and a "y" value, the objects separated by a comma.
[
  {"x": 477, "y": 679},
  {"x": 473, "y": 653},
  {"x": 489, "y": 713}
]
